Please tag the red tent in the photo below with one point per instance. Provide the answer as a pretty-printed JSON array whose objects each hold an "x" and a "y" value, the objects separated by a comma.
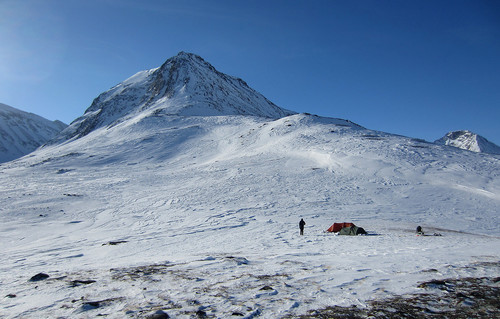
[{"x": 336, "y": 227}]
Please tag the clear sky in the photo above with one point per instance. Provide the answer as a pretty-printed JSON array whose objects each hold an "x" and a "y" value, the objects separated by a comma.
[{"x": 415, "y": 68}]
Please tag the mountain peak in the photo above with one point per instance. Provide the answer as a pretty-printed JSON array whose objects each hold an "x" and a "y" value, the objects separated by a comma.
[
  {"x": 184, "y": 85},
  {"x": 22, "y": 132},
  {"x": 187, "y": 56},
  {"x": 470, "y": 141},
  {"x": 186, "y": 59}
]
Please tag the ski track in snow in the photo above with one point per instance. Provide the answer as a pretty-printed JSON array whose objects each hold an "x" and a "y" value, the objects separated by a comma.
[{"x": 206, "y": 215}]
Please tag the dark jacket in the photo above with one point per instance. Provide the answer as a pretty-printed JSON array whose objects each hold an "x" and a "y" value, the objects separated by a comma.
[{"x": 302, "y": 223}]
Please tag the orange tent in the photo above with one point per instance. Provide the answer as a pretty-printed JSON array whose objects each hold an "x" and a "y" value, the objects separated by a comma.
[{"x": 336, "y": 227}]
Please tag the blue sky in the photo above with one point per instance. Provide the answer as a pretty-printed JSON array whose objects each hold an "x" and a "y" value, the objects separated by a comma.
[{"x": 415, "y": 68}]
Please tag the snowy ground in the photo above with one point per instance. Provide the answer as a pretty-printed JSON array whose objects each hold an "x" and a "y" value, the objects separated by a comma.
[{"x": 200, "y": 218}]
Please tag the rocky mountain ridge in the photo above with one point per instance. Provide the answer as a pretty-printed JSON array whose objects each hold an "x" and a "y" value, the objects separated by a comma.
[
  {"x": 470, "y": 141},
  {"x": 184, "y": 85},
  {"x": 22, "y": 132}
]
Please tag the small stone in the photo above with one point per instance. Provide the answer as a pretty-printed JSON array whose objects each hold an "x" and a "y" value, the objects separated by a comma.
[
  {"x": 160, "y": 314},
  {"x": 266, "y": 288},
  {"x": 76, "y": 283},
  {"x": 239, "y": 314},
  {"x": 39, "y": 276}
]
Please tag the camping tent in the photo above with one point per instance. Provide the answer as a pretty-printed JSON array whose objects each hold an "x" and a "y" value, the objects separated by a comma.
[
  {"x": 352, "y": 231},
  {"x": 336, "y": 227}
]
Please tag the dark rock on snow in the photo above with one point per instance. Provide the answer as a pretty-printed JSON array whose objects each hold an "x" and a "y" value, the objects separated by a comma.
[
  {"x": 76, "y": 283},
  {"x": 39, "y": 276},
  {"x": 160, "y": 314}
]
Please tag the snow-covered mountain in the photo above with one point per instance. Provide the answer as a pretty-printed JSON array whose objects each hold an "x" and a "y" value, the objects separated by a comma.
[
  {"x": 22, "y": 132},
  {"x": 470, "y": 141},
  {"x": 184, "y": 85},
  {"x": 189, "y": 207}
]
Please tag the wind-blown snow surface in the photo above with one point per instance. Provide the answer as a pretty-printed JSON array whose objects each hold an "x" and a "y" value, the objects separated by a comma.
[
  {"x": 207, "y": 210},
  {"x": 22, "y": 132}
]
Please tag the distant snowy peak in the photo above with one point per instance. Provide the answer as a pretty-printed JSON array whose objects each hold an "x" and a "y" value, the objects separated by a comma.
[
  {"x": 184, "y": 85},
  {"x": 470, "y": 141},
  {"x": 22, "y": 132}
]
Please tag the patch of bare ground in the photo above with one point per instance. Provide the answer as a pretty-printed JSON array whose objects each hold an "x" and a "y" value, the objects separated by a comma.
[{"x": 448, "y": 298}]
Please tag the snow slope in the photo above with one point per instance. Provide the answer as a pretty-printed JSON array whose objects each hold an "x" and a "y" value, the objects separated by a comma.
[
  {"x": 22, "y": 132},
  {"x": 470, "y": 141},
  {"x": 207, "y": 210},
  {"x": 197, "y": 216}
]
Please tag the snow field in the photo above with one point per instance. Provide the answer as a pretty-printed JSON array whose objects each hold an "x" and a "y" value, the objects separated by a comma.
[{"x": 205, "y": 215}]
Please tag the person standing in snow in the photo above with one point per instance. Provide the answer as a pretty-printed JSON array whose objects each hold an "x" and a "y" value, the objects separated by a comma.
[
  {"x": 302, "y": 223},
  {"x": 420, "y": 232}
]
